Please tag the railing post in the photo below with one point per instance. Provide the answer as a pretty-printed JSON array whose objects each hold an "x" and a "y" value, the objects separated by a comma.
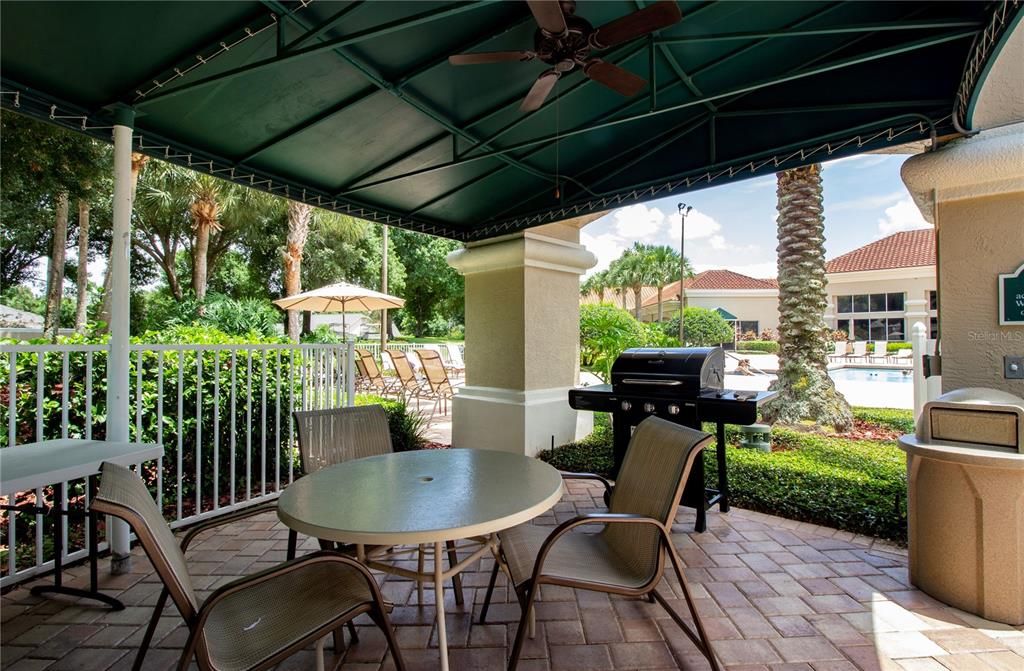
[
  {"x": 919, "y": 340},
  {"x": 118, "y": 363},
  {"x": 350, "y": 373}
]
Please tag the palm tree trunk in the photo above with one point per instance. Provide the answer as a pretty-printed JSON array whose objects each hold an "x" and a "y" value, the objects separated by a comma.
[
  {"x": 661, "y": 307},
  {"x": 806, "y": 392},
  {"x": 636, "y": 302},
  {"x": 199, "y": 256},
  {"x": 299, "y": 215},
  {"x": 55, "y": 269},
  {"x": 82, "y": 279}
]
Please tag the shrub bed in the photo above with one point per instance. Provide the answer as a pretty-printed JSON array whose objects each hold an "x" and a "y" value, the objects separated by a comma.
[
  {"x": 405, "y": 425},
  {"x": 759, "y": 346},
  {"x": 849, "y": 484}
]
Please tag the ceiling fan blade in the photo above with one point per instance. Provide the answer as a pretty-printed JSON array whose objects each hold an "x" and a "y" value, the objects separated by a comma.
[
  {"x": 540, "y": 90},
  {"x": 647, "y": 20},
  {"x": 617, "y": 79},
  {"x": 549, "y": 16},
  {"x": 490, "y": 57}
]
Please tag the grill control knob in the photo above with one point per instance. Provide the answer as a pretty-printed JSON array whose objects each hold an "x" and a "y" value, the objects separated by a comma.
[
  {"x": 673, "y": 409},
  {"x": 648, "y": 407},
  {"x": 626, "y": 405}
]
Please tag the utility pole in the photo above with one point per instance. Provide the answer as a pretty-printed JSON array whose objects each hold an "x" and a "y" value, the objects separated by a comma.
[
  {"x": 384, "y": 290},
  {"x": 684, "y": 210}
]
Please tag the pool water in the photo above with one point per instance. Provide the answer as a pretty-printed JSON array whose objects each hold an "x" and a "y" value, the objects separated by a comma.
[
  {"x": 875, "y": 387},
  {"x": 871, "y": 375}
]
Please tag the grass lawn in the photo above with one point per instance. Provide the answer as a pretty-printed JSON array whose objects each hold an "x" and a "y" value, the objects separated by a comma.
[{"x": 855, "y": 481}]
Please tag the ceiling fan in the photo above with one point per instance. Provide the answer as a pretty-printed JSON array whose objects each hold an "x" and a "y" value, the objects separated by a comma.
[{"x": 564, "y": 41}]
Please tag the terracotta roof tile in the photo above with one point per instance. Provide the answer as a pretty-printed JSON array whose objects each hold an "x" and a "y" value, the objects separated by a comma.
[
  {"x": 906, "y": 249},
  {"x": 714, "y": 279}
]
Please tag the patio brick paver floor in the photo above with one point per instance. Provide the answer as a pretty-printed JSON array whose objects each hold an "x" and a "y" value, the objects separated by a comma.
[{"x": 776, "y": 595}]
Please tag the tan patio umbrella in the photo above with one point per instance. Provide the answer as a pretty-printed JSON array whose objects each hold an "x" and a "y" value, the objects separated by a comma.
[{"x": 340, "y": 297}]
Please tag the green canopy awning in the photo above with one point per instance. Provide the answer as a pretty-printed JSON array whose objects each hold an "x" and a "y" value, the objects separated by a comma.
[
  {"x": 726, "y": 315},
  {"x": 353, "y": 106}
]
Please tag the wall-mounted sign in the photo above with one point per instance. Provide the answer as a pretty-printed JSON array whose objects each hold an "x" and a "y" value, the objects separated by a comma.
[{"x": 1011, "y": 298}]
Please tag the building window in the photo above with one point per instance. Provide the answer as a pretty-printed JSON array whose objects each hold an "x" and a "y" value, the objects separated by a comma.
[
  {"x": 894, "y": 302},
  {"x": 895, "y": 329},
  {"x": 933, "y": 300},
  {"x": 844, "y": 326},
  {"x": 861, "y": 329},
  {"x": 860, "y": 303},
  {"x": 845, "y": 304},
  {"x": 934, "y": 327},
  {"x": 744, "y": 327}
]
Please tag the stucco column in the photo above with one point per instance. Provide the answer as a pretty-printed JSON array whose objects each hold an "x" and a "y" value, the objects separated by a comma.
[
  {"x": 972, "y": 189},
  {"x": 522, "y": 340}
]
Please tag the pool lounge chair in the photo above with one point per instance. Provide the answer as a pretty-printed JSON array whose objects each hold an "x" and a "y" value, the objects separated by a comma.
[
  {"x": 438, "y": 388},
  {"x": 375, "y": 380},
  {"x": 839, "y": 351},
  {"x": 880, "y": 346},
  {"x": 860, "y": 350},
  {"x": 457, "y": 364},
  {"x": 408, "y": 385}
]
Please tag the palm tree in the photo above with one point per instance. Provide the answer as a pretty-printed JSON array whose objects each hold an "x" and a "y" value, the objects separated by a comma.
[
  {"x": 636, "y": 272},
  {"x": 617, "y": 280},
  {"x": 299, "y": 215},
  {"x": 664, "y": 267},
  {"x": 806, "y": 392}
]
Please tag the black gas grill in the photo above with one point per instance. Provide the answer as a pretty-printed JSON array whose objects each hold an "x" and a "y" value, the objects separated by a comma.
[{"x": 682, "y": 385}]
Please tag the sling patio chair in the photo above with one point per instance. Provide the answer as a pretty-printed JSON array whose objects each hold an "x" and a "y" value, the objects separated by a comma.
[
  {"x": 860, "y": 350},
  {"x": 254, "y": 622},
  {"x": 439, "y": 388},
  {"x": 375, "y": 380},
  {"x": 880, "y": 353},
  {"x": 408, "y": 386},
  {"x": 627, "y": 556},
  {"x": 457, "y": 363},
  {"x": 839, "y": 350},
  {"x": 337, "y": 435}
]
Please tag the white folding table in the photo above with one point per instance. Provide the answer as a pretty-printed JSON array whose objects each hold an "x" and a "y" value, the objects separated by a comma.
[{"x": 55, "y": 462}]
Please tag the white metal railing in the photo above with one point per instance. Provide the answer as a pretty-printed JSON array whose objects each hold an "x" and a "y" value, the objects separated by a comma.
[{"x": 222, "y": 412}]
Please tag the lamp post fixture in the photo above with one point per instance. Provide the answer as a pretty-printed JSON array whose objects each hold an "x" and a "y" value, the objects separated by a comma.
[{"x": 684, "y": 210}]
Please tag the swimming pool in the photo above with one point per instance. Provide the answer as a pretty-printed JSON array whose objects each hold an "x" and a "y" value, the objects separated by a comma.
[
  {"x": 875, "y": 387},
  {"x": 887, "y": 375}
]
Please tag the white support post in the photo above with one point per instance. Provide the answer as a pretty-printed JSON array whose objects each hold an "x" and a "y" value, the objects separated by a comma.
[
  {"x": 118, "y": 364},
  {"x": 350, "y": 373},
  {"x": 919, "y": 342}
]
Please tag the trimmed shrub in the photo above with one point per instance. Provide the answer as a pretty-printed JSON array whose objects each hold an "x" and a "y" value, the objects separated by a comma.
[
  {"x": 704, "y": 328},
  {"x": 857, "y": 486},
  {"x": 760, "y": 346},
  {"x": 405, "y": 425},
  {"x": 592, "y": 454},
  {"x": 898, "y": 420},
  {"x": 893, "y": 347}
]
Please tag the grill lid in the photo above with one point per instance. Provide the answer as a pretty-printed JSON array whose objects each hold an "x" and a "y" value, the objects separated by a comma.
[{"x": 675, "y": 371}]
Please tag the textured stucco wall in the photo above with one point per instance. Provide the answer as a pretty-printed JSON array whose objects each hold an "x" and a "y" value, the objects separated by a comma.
[
  {"x": 551, "y": 328},
  {"x": 495, "y": 342},
  {"x": 978, "y": 239}
]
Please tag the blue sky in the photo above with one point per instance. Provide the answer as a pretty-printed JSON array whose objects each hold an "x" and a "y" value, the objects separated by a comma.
[{"x": 733, "y": 226}]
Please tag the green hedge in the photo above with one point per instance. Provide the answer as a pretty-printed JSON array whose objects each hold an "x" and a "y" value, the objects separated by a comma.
[
  {"x": 857, "y": 486},
  {"x": 892, "y": 418},
  {"x": 765, "y": 346}
]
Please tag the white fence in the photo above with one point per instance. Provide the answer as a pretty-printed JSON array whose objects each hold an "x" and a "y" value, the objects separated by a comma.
[{"x": 222, "y": 412}]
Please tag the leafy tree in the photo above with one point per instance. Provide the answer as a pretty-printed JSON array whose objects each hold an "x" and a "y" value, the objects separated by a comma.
[
  {"x": 606, "y": 331},
  {"x": 806, "y": 392},
  {"x": 702, "y": 327},
  {"x": 433, "y": 289}
]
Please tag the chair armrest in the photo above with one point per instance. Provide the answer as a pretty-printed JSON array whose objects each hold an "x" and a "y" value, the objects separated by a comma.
[
  {"x": 191, "y": 534},
  {"x": 566, "y": 475}
]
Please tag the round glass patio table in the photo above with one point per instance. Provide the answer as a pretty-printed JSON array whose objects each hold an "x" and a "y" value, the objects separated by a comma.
[{"x": 421, "y": 497}]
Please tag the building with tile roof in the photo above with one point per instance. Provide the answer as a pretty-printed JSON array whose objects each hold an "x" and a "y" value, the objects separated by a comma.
[{"x": 875, "y": 292}]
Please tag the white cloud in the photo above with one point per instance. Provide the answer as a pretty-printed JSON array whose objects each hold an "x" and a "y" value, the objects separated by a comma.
[
  {"x": 717, "y": 242},
  {"x": 903, "y": 216},
  {"x": 606, "y": 247},
  {"x": 866, "y": 202},
  {"x": 698, "y": 226},
  {"x": 638, "y": 222},
  {"x": 861, "y": 161}
]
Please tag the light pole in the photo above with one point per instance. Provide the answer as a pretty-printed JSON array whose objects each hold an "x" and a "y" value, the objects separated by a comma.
[{"x": 684, "y": 210}]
